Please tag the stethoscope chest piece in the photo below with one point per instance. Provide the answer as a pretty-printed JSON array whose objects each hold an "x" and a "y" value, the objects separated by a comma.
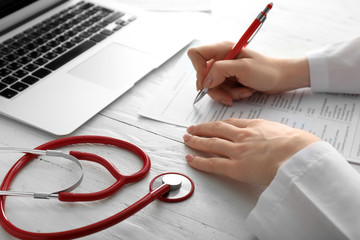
[{"x": 181, "y": 186}]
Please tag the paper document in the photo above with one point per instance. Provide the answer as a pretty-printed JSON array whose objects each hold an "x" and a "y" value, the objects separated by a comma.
[
  {"x": 332, "y": 117},
  {"x": 171, "y": 5}
]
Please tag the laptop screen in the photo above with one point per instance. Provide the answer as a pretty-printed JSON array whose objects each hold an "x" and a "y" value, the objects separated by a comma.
[
  {"x": 10, "y": 6},
  {"x": 15, "y": 12}
]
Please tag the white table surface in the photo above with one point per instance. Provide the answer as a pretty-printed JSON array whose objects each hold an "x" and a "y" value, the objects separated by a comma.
[{"x": 219, "y": 206}]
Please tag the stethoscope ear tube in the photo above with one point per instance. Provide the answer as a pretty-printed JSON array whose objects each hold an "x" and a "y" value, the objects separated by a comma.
[{"x": 52, "y": 153}]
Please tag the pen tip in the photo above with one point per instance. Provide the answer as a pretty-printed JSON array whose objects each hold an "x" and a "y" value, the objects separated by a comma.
[{"x": 271, "y": 4}]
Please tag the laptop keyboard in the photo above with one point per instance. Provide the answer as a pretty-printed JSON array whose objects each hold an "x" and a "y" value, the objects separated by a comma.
[{"x": 33, "y": 54}]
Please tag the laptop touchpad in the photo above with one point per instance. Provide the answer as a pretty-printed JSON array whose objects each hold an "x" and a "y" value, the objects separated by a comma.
[{"x": 115, "y": 67}]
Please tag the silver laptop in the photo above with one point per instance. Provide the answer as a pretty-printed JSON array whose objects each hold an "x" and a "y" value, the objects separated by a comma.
[{"x": 64, "y": 61}]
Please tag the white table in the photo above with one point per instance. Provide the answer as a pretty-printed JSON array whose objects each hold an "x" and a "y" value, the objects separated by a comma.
[{"x": 219, "y": 206}]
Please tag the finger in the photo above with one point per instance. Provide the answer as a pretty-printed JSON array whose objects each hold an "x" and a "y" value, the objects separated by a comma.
[
  {"x": 226, "y": 94},
  {"x": 218, "y": 129},
  {"x": 203, "y": 57},
  {"x": 239, "y": 122},
  {"x": 216, "y": 51},
  {"x": 218, "y": 146},
  {"x": 219, "y": 95},
  {"x": 236, "y": 93},
  {"x": 200, "y": 65},
  {"x": 201, "y": 75},
  {"x": 215, "y": 165},
  {"x": 223, "y": 70}
]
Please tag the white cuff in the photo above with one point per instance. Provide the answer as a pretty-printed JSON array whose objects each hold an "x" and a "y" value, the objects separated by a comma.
[
  {"x": 319, "y": 72},
  {"x": 315, "y": 195},
  {"x": 336, "y": 68}
]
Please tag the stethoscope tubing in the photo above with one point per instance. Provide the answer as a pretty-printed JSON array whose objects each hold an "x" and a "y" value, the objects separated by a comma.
[
  {"x": 64, "y": 196},
  {"x": 86, "y": 230},
  {"x": 157, "y": 193},
  {"x": 72, "y": 197}
]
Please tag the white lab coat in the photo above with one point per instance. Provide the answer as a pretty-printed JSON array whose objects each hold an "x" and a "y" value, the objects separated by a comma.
[{"x": 316, "y": 193}]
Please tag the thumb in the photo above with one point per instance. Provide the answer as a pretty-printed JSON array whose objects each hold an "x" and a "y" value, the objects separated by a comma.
[{"x": 221, "y": 70}]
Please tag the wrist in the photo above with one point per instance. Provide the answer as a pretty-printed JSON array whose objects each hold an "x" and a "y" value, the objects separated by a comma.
[
  {"x": 289, "y": 146},
  {"x": 295, "y": 73}
]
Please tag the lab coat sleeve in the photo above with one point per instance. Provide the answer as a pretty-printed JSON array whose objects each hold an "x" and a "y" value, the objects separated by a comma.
[
  {"x": 315, "y": 195},
  {"x": 336, "y": 68}
]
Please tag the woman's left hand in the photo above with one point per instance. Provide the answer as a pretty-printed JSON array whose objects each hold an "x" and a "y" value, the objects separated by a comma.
[{"x": 247, "y": 150}]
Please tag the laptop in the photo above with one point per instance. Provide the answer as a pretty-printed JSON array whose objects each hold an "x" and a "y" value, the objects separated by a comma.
[{"x": 63, "y": 61}]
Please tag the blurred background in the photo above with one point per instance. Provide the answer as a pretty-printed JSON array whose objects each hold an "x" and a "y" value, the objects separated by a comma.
[{"x": 309, "y": 24}]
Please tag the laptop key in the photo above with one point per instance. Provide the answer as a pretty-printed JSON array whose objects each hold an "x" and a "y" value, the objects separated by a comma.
[
  {"x": 34, "y": 54},
  {"x": 31, "y": 46},
  {"x": 19, "y": 86},
  {"x": 15, "y": 45},
  {"x": 59, "y": 50},
  {"x": 4, "y": 72},
  {"x": 20, "y": 73},
  {"x": 31, "y": 67},
  {"x": 24, "y": 60},
  {"x": 86, "y": 34},
  {"x": 3, "y": 63},
  {"x": 2, "y": 86},
  {"x": 114, "y": 17},
  {"x": 60, "y": 61},
  {"x": 41, "y": 61},
  {"x": 21, "y": 51},
  {"x": 5, "y": 50},
  {"x": 98, "y": 37},
  {"x": 8, "y": 93},
  {"x": 9, "y": 80},
  {"x": 69, "y": 44},
  {"x": 107, "y": 32},
  {"x": 11, "y": 57},
  {"x": 30, "y": 80},
  {"x": 42, "y": 72},
  {"x": 50, "y": 55},
  {"x": 14, "y": 66},
  {"x": 44, "y": 48},
  {"x": 86, "y": 6}
]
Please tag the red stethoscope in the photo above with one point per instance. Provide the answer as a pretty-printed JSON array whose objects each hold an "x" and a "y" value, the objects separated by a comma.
[{"x": 168, "y": 187}]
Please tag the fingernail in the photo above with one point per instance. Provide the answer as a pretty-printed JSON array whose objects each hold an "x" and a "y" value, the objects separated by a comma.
[
  {"x": 226, "y": 102},
  {"x": 187, "y": 137},
  {"x": 190, "y": 129},
  {"x": 246, "y": 94},
  {"x": 207, "y": 81},
  {"x": 189, "y": 158}
]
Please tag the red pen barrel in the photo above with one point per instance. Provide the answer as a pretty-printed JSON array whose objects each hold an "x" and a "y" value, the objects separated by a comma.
[{"x": 243, "y": 40}]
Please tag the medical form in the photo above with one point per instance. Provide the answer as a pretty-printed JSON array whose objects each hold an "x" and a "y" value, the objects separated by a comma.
[{"x": 332, "y": 117}]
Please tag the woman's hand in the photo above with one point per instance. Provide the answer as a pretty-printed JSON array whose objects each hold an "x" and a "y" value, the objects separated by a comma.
[
  {"x": 230, "y": 80},
  {"x": 247, "y": 150}
]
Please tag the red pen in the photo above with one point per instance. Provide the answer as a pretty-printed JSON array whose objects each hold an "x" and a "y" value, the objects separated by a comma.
[{"x": 243, "y": 42}]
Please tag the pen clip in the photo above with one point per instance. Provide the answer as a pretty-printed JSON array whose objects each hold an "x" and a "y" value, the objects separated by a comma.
[
  {"x": 252, "y": 36},
  {"x": 261, "y": 17}
]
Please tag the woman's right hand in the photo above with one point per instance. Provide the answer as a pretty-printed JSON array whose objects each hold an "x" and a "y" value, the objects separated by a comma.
[{"x": 230, "y": 80}]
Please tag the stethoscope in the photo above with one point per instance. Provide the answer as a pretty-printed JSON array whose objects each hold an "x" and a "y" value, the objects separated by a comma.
[{"x": 167, "y": 187}]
